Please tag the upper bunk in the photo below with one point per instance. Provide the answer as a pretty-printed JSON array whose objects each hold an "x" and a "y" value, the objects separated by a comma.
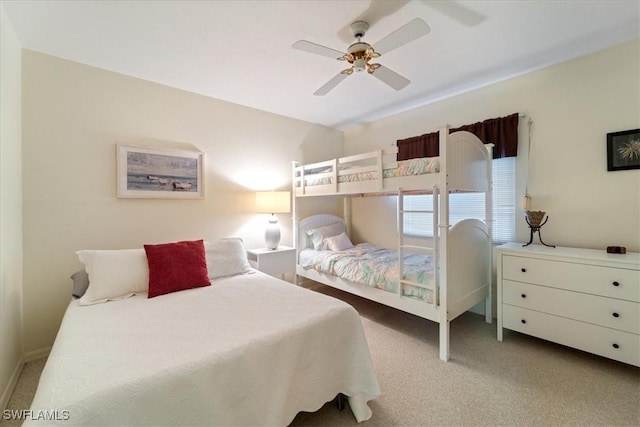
[{"x": 464, "y": 165}]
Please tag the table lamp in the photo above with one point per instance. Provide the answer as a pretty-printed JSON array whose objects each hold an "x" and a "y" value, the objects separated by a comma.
[{"x": 273, "y": 202}]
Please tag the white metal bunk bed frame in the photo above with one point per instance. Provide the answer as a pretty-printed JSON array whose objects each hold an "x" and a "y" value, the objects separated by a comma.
[{"x": 462, "y": 253}]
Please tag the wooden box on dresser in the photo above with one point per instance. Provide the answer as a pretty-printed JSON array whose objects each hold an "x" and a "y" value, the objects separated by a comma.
[{"x": 583, "y": 298}]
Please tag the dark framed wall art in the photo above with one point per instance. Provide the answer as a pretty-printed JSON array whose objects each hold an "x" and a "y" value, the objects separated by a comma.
[{"x": 623, "y": 150}]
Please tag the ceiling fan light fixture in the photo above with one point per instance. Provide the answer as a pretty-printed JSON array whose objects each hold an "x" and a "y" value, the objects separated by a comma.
[
  {"x": 359, "y": 54},
  {"x": 372, "y": 67},
  {"x": 370, "y": 53}
]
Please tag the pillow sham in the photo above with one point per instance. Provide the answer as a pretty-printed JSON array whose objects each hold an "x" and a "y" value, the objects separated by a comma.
[
  {"x": 114, "y": 274},
  {"x": 80, "y": 281},
  {"x": 176, "y": 267},
  {"x": 226, "y": 257},
  {"x": 318, "y": 235},
  {"x": 340, "y": 242}
]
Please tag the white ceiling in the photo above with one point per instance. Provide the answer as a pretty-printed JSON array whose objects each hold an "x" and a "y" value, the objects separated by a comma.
[{"x": 240, "y": 51}]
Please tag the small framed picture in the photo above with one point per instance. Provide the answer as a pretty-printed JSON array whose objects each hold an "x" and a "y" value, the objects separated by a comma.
[
  {"x": 147, "y": 172},
  {"x": 623, "y": 150}
]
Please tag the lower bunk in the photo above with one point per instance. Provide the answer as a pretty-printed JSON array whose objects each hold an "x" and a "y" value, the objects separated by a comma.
[{"x": 437, "y": 287}]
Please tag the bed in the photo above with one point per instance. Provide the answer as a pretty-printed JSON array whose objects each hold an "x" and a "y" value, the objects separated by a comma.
[
  {"x": 249, "y": 349},
  {"x": 375, "y": 267},
  {"x": 364, "y": 168},
  {"x": 453, "y": 268}
]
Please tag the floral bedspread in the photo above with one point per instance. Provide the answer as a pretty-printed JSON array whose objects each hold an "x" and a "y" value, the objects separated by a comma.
[
  {"x": 418, "y": 166},
  {"x": 378, "y": 268}
]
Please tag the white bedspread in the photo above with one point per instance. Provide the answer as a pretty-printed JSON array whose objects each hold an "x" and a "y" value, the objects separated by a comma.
[{"x": 248, "y": 350}]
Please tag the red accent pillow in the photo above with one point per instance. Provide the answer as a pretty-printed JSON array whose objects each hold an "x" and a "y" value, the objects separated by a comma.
[{"x": 176, "y": 266}]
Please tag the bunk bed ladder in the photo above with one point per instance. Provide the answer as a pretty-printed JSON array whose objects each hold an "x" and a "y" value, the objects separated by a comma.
[
  {"x": 334, "y": 178},
  {"x": 294, "y": 211},
  {"x": 436, "y": 244},
  {"x": 423, "y": 249},
  {"x": 380, "y": 169}
]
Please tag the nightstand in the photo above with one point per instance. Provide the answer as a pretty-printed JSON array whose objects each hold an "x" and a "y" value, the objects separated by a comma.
[{"x": 275, "y": 262}]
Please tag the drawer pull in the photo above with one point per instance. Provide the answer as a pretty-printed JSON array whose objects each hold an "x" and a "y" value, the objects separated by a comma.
[
  {"x": 523, "y": 295},
  {"x": 616, "y": 346},
  {"x": 616, "y": 283},
  {"x": 524, "y": 321},
  {"x": 616, "y": 315},
  {"x": 524, "y": 270}
]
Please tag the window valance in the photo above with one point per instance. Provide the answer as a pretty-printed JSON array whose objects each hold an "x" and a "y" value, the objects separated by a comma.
[{"x": 501, "y": 131}]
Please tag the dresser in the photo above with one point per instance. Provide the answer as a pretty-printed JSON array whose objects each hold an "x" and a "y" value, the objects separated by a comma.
[{"x": 582, "y": 298}]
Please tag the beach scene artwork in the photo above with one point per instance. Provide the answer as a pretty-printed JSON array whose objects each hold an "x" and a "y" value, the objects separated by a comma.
[{"x": 156, "y": 174}]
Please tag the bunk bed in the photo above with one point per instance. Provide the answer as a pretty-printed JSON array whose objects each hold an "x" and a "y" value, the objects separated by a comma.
[{"x": 459, "y": 255}]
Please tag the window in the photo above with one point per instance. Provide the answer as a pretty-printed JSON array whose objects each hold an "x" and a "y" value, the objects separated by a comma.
[{"x": 471, "y": 205}]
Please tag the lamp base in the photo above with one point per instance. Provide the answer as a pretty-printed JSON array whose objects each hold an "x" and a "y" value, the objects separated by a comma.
[{"x": 272, "y": 233}]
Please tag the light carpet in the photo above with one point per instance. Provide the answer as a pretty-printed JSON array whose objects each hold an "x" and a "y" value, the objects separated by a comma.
[{"x": 522, "y": 381}]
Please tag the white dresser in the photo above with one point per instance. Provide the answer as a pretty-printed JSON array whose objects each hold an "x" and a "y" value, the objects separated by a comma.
[{"x": 583, "y": 298}]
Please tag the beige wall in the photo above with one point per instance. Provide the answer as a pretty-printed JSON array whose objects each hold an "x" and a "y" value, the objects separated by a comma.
[
  {"x": 573, "y": 106},
  {"x": 73, "y": 116},
  {"x": 10, "y": 211}
]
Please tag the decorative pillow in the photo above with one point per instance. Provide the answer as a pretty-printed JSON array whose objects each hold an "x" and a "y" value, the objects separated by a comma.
[
  {"x": 80, "y": 283},
  {"x": 114, "y": 274},
  {"x": 318, "y": 235},
  {"x": 340, "y": 242},
  {"x": 176, "y": 266},
  {"x": 226, "y": 257}
]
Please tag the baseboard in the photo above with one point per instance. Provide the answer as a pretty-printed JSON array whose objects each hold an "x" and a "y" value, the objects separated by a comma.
[
  {"x": 36, "y": 354},
  {"x": 8, "y": 391},
  {"x": 26, "y": 358}
]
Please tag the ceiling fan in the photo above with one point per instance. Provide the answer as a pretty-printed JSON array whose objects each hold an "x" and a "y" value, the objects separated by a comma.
[{"x": 359, "y": 54}]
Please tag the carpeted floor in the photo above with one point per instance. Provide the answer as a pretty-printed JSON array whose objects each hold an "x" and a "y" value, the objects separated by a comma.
[
  {"x": 520, "y": 381},
  {"x": 24, "y": 391}
]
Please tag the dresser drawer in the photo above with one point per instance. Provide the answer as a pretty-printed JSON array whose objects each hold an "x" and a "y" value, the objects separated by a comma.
[
  {"x": 609, "y": 312},
  {"x": 614, "y": 344},
  {"x": 606, "y": 281}
]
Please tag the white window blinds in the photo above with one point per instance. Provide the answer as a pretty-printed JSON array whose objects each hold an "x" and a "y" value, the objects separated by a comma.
[{"x": 471, "y": 205}]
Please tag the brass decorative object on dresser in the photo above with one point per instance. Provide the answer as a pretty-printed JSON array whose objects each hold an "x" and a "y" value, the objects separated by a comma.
[{"x": 583, "y": 298}]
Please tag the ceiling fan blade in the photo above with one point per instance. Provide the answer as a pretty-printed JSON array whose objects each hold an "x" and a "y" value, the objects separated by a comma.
[
  {"x": 390, "y": 77},
  {"x": 331, "y": 84},
  {"x": 456, "y": 11},
  {"x": 403, "y": 35},
  {"x": 310, "y": 47}
]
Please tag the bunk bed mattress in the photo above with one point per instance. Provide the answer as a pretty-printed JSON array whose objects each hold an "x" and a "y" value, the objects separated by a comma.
[
  {"x": 248, "y": 350},
  {"x": 376, "y": 267},
  {"x": 418, "y": 166}
]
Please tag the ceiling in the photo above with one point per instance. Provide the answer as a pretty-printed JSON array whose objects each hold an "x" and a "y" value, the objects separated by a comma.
[{"x": 240, "y": 51}]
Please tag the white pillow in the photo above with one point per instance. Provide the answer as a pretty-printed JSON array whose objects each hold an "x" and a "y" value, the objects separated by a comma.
[
  {"x": 340, "y": 242},
  {"x": 114, "y": 274},
  {"x": 226, "y": 257},
  {"x": 318, "y": 235}
]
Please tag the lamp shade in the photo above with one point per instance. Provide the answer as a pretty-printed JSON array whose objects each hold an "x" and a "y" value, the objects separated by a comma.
[{"x": 273, "y": 202}]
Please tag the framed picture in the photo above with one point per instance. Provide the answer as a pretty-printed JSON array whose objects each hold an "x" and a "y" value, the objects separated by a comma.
[
  {"x": 146, "y": 172},
  {"x": 623, "y": 150}
]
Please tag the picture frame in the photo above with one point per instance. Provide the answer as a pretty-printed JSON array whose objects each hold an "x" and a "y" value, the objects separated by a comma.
[
  {"x": 623, "y": 150},
  {"x": 159, "y": 173}
]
